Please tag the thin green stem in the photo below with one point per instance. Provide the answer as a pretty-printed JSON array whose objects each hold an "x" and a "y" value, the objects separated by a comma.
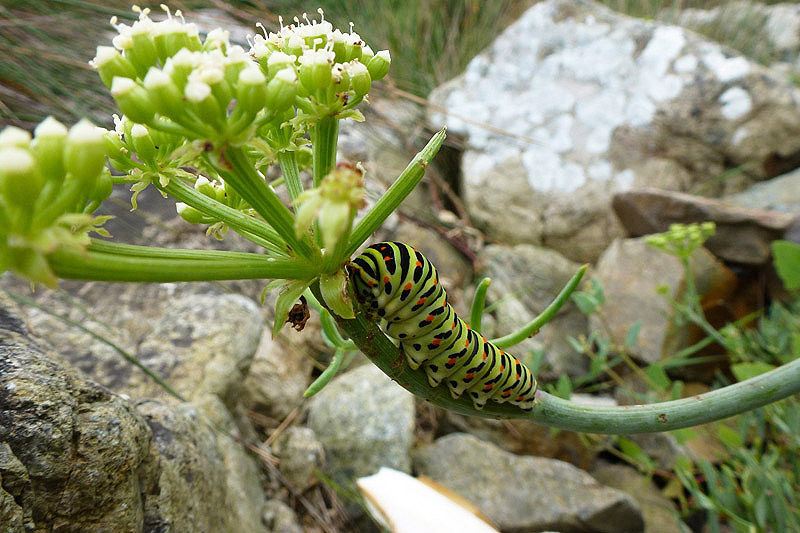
[
  {"x": 237, "y": 220},
  {"x": 327, "y": 375},
  {"x": 125, "y": 355},
  {"x": 291, "y": 173},
  {"x": 533, "y": 326},
  {"x": 401, "y": 188},
  {"x": 243, "y": 177},
  {"x": 168, "y": 265},
  {"x": 478, "y": 304}
]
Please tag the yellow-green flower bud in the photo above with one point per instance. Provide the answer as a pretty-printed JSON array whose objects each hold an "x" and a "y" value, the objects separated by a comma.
[
  {"x": 116, "y": 150},
  {"x": 278, "y": 61},
  {"x": 172, "y": 36},
  {"x": 378, "y": 66},
  {"x": 281, "y": 90},
  {"x": 142, "y": 53},
  {"x": 334, "y": 219},
  {"x": 251, "y": 90},
  {"x": 202, "y": 185},
  {"x": 341, "y": 78},
  {"x": 206, "y": 106},
  {"x": 179, "y": 67},
  {"x": 85, "y": 152},
  {"x": 163, "y": 92},
  {"x": 133, "y": 100},
  {"x": 102, "y": 187},
  {"x": 110, "y": 64},
  {"x": 315, "y": 69},
  {"x": 48, "y": 147},
  {"x": 143, "y": 144},
  {"x": 366, "y": 54},
  {"x": 20, "y": 179},
  {"x": 14, "y": 136},
  {"x": 192, "y": 215},
  {"x": 214, "y": 77},
  {"x": 360, "y": 80},
  {"x": 294, "y": 46},
  {"x": 305, "y": 214}
]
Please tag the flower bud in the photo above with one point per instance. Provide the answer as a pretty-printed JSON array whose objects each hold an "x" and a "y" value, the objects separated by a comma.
[
  {"x": 305, "y": 214},
  {"x": 251, "y": 90},
  {"x": 294, "y": 46},
  {"x": 315, "y": 69},
  {"x": 360, "y": 80},
  {"x": 366, "y": 54},
  {"x": 110, "y": 64},
  {"x": 142, "y": 53},
  {"x": 334, "y": 219},
  {"x": 279, "y": 61},
  {"x": 84, "y": 153},
  {"x": 143, "y": 144},
  {"x": 206, "y": 106},
  {"x": 14, "y": 136},
  {"x": 48, "y": 147},
  {"x": 281, "y": 90},
  {"x": 163, "y": 92},
  {"x": 20, "y": 179},
  {"x": 171, "y": 36},
  {"x": 179, "y": 67},
  {"x": 378, "y": 66},
  {"x": 192, "y": 215},
  {"x": 132, "y": 100},
  {"x": 202, "y": 185},
  {"x": 102, "y": 187}
]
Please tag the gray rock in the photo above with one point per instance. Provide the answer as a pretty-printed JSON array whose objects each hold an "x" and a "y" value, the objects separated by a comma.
[
  {"x": 364, "y": 421},
  {"x": 75, "y": 457},
  {"x": 524, "y": 493},
  {"x": 662, "y": 448},
  {"x": 617, "y": 103},
  {"x": 742, "y": 236},
  {"x": 778, "y": 194},
  {"x": 301, "y": 455},
  {"x": 629, "y": 272},
  {"x": 525, "y": 279},
  {"x": 280, "y": 518},
  {"x": 279, "y": 374},
  {"x": 658, "y": 511}
]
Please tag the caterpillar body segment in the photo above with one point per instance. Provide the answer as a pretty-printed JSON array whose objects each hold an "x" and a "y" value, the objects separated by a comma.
[{"x": 401, "y": 287}]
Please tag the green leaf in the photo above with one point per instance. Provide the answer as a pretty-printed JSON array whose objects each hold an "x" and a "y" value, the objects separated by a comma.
[
  {"x": 787, "y": 263},
  {"x": 635, "y": 453},
  {"x": 334, "y": 292},
  {"x": 586, "y": 302},
  {"x": 658, "y": 376},
  {"x": 633, "y": 333},
  {"x": 729, "y": 436},
  {"x": 290, "y": 291},
  {"x": 744, "y": 371},
  {"x": 683, "y": 435},
  {"x": 564, "y": 387}
]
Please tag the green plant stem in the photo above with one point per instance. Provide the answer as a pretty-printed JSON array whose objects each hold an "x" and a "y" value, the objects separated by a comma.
[
  {"x": 552, "y": 411},
  {"x": 291, "y": 173},
  {"x": 242, "y": 176},
  {"x": 125, "y": 355},
  {"x": 237, "y": 220},
  {"x": 478, "y": 304},
  {"x": 110, "y": 262},
  {"x": 402, "y": 187},
  {"x": 324, "y": 140},
  {"x": 533, "y": 326}
]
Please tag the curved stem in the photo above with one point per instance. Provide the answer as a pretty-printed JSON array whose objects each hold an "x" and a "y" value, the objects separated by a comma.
[
  {"x": 549, "y": 410},
  {"x": 533, "y": 326},
  {"x": 402, "y": 187},
  {"x": 478, "y": 304}
]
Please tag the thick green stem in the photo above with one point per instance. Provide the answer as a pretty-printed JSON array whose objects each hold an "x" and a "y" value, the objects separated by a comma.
[
  {"x": 140, "y": 263},
  {"x": 242, "y": 176},
  {"x": 478, "y": 304},
  {"x": 324, "y": 140},
  {"x": 401, "y": 188},
  {"x": 234, "y": 218},
  {"x": 552, "y": 411},
  {"x": 533, "y": 326}
]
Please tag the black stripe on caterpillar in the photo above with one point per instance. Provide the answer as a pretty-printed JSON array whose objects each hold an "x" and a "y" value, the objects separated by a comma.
[{"x": 396, "y": 283}]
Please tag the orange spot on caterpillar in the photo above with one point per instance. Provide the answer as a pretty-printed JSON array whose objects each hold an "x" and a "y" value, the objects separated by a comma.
[
  {"x": 429, "y": 318},
  {"x": 386, "y": 279},
  {"x": 407, "y": 287},
  {"x": 452, "y": 360},
  {"x": 387, "y": 258},
  {"x": 469, "y": 375},
  {"x": 437, "y": 342},
  {"x": 421, "y": 301}
]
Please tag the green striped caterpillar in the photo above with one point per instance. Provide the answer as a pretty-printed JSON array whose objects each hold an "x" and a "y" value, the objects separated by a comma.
[{"x": 399, "y": 285}]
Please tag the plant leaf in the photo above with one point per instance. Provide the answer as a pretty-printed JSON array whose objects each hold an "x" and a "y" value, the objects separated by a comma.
[
  {"x": 744, "y": 371},
  {"x": 787, "y": 263},
  {"x": 290, "y": 291},
  {"x": 334, "y": 291}
]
